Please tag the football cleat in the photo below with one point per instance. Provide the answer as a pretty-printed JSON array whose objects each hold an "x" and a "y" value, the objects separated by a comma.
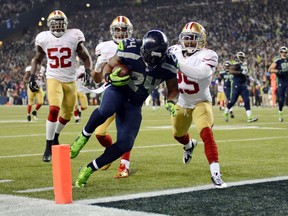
[
  {"x": 47, "y": 157},
  {"x": 187, "y": 156},
  {"x": 28, "y": 118},
  {"x": 251, "y": 118},
  {"x": 281, "y": 119},
  {"x": 105, "y": 167},
  {"x": 83, "y": 176},
  {"x": 226, "y": 117},
  {"x": 77, "y": 145},
  {"x": 122, "y": 172},
  {"x": 217, "y": 181},
  {"x": 34, "y": 113},
  {"x": 232, "y": 114},
  {"x": 77, "y": 121}
]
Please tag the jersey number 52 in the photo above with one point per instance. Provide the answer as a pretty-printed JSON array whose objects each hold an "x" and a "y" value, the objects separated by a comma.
[{"x": 59, "y": 61}]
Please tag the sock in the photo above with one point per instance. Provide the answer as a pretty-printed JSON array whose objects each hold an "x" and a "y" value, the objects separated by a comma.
[
  {"x": 29, "y": 108},
  {"x": 93, "y": 165},
  {"x": 215, "y": 168},
  {"x": 37, "y": 107},
  {"x": 248, "y": 113},
  {"x": 210, "y": 146},
  {"x": 126, "y": 162}
]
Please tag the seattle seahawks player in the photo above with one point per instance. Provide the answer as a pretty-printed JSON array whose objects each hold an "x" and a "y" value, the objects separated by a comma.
[
  {"x": 150, "y": 66},
  {"x": 227, "y": 78},
  {"x": 239, "y": 70},
  {"x": 280, "y": 68},
  {"x": 196, "y": 65},
  {"x": 120, "y": 29}
]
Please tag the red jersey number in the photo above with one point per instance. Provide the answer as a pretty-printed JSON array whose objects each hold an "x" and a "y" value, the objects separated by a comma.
[
  {"x": 60, "y": 61},
  {"x": 183, "y": 78}
]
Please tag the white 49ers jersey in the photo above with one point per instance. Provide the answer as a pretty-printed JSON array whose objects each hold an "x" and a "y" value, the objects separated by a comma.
[
  {"x": 39, "y": 75},
  {"x": 104, "y": 51},
  {"x": 195, "y": 78},
  {"x": 60, "y": 53},
  {"x": 80, "y": 81}
]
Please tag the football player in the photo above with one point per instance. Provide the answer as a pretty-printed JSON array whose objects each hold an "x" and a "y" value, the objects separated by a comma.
[
  {"x": 39, "y": 95},
  {"x": 81, "y": 95},
  {"x": 61, "y": 46},
  {"x": 196, "y": 65},
  {"x": 120, "y": 28},
  {"x": 150, "y": 65},
  {"x": 239, "y": 70},
  {"x": 227, "y": 78},
  {"x": 280, "y": 68}
]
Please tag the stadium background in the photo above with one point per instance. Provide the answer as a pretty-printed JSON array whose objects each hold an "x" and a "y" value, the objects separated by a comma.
[{"x": 256, "y": 27}]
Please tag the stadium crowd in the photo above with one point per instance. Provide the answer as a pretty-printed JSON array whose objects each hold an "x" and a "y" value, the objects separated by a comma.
[{"x": 258, "y": 28}]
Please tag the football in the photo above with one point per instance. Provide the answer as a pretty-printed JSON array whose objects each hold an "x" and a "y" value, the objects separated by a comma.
[{"x": 125, "y": 70}]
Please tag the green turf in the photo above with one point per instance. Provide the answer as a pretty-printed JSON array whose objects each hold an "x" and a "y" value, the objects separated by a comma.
[{"x": 246, "y": 151}]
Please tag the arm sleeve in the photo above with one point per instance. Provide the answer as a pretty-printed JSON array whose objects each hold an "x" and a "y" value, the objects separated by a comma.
[{"x": 197, "y": 72}]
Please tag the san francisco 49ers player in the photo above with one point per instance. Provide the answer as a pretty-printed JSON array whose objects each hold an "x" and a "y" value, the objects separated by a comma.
[
  {"x": 61, "y": 46},
  {"x": 81, "y": 100},
  {"x": 39, "y": 95},
  {"x": 196, "y": 67},
  {"x": 120, "y": 28}
]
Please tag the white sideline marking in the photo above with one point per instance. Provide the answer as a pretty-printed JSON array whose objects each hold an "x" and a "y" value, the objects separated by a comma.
[
  {"x": 5, "y": 180},
  {"x": 159, "y": 145},
  {"x": 177, "y": 191}
]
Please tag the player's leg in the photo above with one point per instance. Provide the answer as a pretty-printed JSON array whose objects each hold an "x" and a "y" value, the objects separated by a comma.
[
  {"x": 83, "y": 102},
  {"x": 40, "y": 101},
  {"x": 180, "y": 127},
  {"x": 31, "y": 97},
  {"x": 203, "y": 119},
  {"x": 281, "y": 99},
  {"x": 67, "y": 108},
  {"x": 235, "y": 92},
  {"x": 54, "y": 96},
  {"x": 76, "y": 110},
  {"x": 101, "y": 134},
  {"x": 246, "y": 100},
  {"x": 98, "y": 117},
  {"x": 127, "y": 130}
]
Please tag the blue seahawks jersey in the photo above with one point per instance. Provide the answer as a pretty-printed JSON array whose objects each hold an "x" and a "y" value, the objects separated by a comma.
[
  {"x": 282, "y": 64},
  {"x": 240, "y": 78},
  {"x": 143, "y": 79},
  {"x": 226, "y": 77}
]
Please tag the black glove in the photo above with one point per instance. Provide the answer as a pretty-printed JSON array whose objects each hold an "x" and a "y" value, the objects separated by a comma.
[
  {"x": 32, "y": 84},
  {"x": 87, "y": 76}
]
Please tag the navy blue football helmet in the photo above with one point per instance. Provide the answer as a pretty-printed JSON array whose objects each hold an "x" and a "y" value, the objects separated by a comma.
[{"x": 154, "y": 47}]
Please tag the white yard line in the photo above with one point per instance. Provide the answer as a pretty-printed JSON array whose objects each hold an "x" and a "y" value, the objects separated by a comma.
[{"x": 159, "y": 145}]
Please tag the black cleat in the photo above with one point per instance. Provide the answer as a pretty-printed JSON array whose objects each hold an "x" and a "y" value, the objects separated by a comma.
[{"x": 47, "y": 157}]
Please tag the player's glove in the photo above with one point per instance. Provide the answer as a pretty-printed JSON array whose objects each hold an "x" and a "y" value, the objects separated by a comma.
[
  {"x": 32, "y": 84},
  {"x": 170, "y": 106},
  {"x": 115, "y": 80},
  {"x": 87, "y": 76}
]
